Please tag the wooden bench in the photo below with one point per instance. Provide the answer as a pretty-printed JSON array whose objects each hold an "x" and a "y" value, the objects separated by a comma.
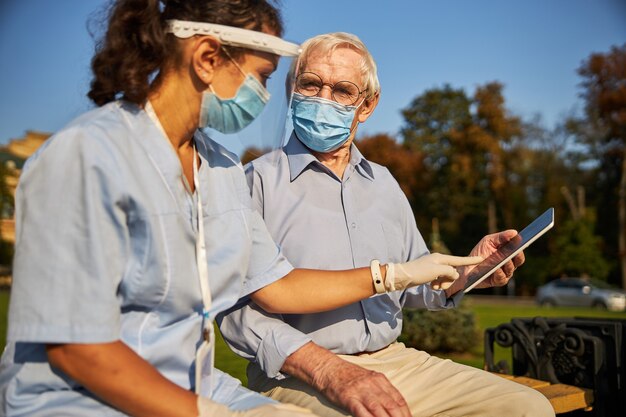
[{"x": 564, "y": 398}]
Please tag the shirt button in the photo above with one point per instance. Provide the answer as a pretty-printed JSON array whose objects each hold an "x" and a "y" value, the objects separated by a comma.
[{"x": 353, "y": 225}]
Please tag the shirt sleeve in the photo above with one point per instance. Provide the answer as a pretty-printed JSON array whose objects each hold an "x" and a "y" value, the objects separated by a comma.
[
  {"x": 422, "y": 296},
  {"x": 261, "y": 337},
  {"x": 70, "y": 245},
  {"x": 267, "y": 262}
]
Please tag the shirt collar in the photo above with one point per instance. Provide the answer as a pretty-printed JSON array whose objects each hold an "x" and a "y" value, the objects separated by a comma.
[{"x": 300, "y": 158}]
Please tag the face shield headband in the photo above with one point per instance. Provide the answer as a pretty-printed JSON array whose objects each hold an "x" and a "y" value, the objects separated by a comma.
[{"x": 234, "y": 36}]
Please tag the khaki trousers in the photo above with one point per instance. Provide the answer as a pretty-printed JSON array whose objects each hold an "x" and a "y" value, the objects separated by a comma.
[{"x": 432, "y": 387}]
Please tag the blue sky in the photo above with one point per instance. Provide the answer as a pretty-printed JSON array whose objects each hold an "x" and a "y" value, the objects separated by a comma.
[{"x": 533, "y": 47}]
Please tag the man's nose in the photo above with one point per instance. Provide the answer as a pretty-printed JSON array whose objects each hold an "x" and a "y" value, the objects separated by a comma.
[{"x": 326, "y": 92}]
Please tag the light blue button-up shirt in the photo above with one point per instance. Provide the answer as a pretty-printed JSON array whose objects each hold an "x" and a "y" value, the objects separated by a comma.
[
  {"x": 105, "y": 251},
  {"x": 325, "y": 222}
]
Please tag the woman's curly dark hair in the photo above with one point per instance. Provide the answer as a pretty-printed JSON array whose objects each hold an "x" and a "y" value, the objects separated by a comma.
[{"x": 135, "y": 46}]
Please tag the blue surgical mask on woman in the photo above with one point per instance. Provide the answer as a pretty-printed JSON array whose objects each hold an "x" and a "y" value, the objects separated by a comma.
[
  {"x": 233, "y": 114},
  {"x": 321, "y": 125}
]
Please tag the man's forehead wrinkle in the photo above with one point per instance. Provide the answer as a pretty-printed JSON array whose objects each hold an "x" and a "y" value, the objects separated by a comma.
[{"x": 334, "y": 67}]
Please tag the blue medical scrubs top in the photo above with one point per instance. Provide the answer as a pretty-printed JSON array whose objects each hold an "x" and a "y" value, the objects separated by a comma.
[{"x": 105, "y": 250}]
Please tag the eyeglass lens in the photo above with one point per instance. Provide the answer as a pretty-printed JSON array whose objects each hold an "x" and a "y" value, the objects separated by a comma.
[{"x": 344, "y": 92}]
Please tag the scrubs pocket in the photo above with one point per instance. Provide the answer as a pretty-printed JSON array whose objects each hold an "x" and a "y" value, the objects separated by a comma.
[{"x": 151, "y": 262}]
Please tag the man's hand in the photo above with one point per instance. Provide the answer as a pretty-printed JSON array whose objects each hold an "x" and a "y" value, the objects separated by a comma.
[
  {"x": 488, "y": 245},
  {"x": 361, "y": 392}
]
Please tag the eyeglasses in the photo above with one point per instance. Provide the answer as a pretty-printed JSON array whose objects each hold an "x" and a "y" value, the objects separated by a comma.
[{"x": 344, "y": 92}]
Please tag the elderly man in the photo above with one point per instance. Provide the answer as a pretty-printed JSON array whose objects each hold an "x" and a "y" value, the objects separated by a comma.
[{"x": 330, "y": 208}]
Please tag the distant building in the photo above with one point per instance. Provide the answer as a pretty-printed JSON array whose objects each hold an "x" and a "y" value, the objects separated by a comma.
[{"x": 12, "y": 157}]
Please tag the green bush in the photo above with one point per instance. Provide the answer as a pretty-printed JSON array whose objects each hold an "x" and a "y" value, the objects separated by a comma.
[{"x": 446, "y": 331}]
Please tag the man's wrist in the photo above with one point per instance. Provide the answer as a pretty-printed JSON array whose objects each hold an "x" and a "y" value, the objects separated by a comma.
[{"x": 311, "y": 364}]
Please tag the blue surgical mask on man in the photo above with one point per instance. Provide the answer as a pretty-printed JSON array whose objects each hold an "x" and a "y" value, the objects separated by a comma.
[
  {"x": 233, "y": 114},
  {"x": 321, "y": 125}
]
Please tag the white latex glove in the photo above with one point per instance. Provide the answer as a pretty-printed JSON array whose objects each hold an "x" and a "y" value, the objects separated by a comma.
[
  {"x": 208, "y": 408},
  {"x": 435, "y": 268}
]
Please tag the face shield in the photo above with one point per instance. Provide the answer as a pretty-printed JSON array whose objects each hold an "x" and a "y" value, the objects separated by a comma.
[{"x": 267, "y": 131}]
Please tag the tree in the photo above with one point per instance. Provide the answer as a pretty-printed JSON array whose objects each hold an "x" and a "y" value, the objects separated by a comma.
[
  {"x": 603, "y": 129},
  {"x": 436, "y": 124},
  {"x": 496, "y": 129},
  {"x": 486, "y": 170},
  {"x": 464, "y": 144},
  {"x": 577, "y": 251}
]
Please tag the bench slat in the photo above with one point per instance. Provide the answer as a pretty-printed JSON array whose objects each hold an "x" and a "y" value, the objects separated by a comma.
[
  {"x": 565, "y": 398},
  {"x": 529, "y": 382}
]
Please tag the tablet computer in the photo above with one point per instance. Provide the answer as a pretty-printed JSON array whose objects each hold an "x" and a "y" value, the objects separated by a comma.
[{"x": 507, "y": 251}]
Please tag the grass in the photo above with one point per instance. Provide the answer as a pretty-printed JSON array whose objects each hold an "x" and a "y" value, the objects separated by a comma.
[{"x": 486, "y": 314}]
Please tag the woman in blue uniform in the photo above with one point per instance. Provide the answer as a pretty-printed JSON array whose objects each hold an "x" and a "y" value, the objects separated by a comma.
[{"x": 134, "y": 229}]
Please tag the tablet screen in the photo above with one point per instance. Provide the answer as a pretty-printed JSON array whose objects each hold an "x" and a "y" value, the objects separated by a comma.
[{"x": 507, "y": 251}]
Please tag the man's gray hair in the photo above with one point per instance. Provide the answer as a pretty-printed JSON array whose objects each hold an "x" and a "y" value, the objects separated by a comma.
[{"x": 329, "y": 42}]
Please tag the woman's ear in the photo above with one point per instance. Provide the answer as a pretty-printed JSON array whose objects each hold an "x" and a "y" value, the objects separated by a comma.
[
  {"x": 204, "y": 58},
  {"x": 367, "y": 108}
]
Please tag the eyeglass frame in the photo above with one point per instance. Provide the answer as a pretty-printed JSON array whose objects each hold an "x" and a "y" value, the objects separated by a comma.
[{"x": 332, "y": 88}]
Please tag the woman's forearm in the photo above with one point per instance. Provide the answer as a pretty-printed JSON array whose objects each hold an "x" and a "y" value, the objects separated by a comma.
[
  {"x": 311, "y": 291},
  {"x": 121, "y": 378}
]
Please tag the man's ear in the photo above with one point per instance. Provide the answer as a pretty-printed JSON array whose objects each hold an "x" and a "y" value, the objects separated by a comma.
[
  {"x": 367, "y": 108},
  {"x": 205, "y": 57}
]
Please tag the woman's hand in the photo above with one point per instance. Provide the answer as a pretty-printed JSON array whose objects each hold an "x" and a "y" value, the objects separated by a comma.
[{"x": 437, "y": 269}]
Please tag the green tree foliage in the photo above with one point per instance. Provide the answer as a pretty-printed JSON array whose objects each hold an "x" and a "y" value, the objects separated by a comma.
[
  {"x": 602, "y": 129},
  {"x": 435, "y": 124},
  {"x": 495, "y": 130},
  {"x": 463, "y": 140},
  {"x": 577, "y": 250}
]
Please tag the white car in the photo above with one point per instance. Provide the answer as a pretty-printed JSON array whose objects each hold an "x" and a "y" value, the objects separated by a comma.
[{"x": 579, "y": 292}]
